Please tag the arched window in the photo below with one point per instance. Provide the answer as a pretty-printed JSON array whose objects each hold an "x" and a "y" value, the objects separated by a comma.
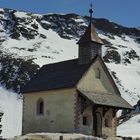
[
  {"x": 98, "y": 73},
  {"x": 40, "y": 106}
]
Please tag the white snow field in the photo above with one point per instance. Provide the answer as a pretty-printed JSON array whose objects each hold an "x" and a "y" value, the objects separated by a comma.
[{"x": 12, "y": 108}]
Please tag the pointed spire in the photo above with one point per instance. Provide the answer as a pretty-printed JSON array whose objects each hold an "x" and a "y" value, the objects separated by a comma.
[
  {"x": 90, "y": 33},
  {"x": 91, "y": 11}
]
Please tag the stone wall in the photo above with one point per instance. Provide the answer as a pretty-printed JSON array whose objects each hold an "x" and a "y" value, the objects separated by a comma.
[{"x": 58, "y": 113}]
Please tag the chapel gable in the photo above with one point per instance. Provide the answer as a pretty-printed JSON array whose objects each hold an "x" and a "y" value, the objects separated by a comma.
[{"x": 97, "y": 79}]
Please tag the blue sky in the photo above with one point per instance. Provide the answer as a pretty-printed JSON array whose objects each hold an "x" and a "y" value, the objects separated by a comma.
[{"x": 124, "y": 12}]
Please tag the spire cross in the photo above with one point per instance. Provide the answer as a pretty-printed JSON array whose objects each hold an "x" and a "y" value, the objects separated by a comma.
[{"x": 91, "y": 11}]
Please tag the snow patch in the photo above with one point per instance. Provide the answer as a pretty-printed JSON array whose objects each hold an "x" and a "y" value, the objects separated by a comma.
[
  {"x": 12, "y": 108},
  {"x": 55, "y": 136},
  {"x": 130, "y": 128}
]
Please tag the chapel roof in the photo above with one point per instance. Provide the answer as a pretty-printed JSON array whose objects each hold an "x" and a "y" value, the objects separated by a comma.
[
  {"x": 90, "y": 35},
  {"x": 106, "y": 99},
  {"x": 54, "y": 76}
]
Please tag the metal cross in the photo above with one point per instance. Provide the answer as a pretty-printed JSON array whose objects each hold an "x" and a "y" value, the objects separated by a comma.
[{"x": 91, "y": 10}]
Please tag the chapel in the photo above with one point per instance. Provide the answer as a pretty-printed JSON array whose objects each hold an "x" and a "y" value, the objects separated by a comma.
[{"x": 74, "y": 96}]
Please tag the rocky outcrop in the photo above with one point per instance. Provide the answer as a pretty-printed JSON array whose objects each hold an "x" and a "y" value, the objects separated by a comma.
[{"x": 15, "y": 72}]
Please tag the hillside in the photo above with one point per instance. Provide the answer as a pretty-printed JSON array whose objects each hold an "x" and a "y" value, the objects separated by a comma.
[{"x": 28, "y": 41}]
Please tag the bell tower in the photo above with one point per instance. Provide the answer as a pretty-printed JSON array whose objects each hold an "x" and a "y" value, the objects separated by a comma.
[{"x": 90, "y": 45}]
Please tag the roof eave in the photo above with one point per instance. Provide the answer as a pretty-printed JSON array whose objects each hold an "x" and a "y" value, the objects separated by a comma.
[
  {"x": 80, "y": 42},
  {"x": 35, "y": 91},
  {"x": 104, "y": 105}
]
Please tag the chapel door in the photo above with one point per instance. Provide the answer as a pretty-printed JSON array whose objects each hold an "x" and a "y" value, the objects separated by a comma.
[{"x": 97, "y": 124}]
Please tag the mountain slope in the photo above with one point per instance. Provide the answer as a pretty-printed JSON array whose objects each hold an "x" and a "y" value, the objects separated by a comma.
[
  {"x": 126, "y": 128},
  {"x": 28, "y": 41}
]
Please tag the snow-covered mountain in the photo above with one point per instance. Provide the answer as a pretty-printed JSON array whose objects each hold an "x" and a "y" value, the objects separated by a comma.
[{"x": 28, "y": 41}]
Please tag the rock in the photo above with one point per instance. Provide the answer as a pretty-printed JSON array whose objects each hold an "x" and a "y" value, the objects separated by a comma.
[
  {"x": 112, "y": 56},
  {"x": 127, "y": 138},
  {"x": 35, "y": 26},
  {"x": 46, "y": 26},
  {"x": 43, "y": 36},
  {"x": 15, "y": 35},
  {"x": 114, "y": 138}
]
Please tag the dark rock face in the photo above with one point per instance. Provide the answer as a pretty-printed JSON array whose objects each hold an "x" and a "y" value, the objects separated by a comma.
[
  {"x": 115, "y": 29},
  {"x": 46, "y": 26},
  {"x": 64, "y": 25},
  {"x": 43, "y": 36},
  {"x": 16, "y": 26},
  {"x": 15, "y": 35},
  {"x": 15, "y": 72},
  {"x": 137, "y": 107},
  {"x": 112, "y": 55},
  {"x": 127, "y": 138},
  {"x": 130, "y": 55}
]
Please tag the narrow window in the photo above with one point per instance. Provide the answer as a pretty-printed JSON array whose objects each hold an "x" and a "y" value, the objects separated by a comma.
[
  {"x": 85, "y": 122},
  {"x": 106, "y": 123},
  {"x": 40, "y": 107},
  {"x": 98, "y": 73}
]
